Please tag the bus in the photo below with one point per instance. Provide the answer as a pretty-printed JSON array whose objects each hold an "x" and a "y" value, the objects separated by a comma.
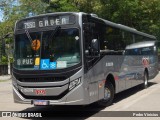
[{"x": 76, "y": 58}]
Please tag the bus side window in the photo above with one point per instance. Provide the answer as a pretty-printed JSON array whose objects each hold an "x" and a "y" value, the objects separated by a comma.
[
  {"x": 155, "y": 49},
  {"x": 134, "y": 51},
  {"x": 148, "y": 50}
]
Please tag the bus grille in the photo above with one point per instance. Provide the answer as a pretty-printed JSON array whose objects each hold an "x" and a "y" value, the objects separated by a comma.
[{"x": 42, "y": 79}]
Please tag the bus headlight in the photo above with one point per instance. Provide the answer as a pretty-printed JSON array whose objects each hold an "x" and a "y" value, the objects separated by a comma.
[{"x": 74, "y": 83}]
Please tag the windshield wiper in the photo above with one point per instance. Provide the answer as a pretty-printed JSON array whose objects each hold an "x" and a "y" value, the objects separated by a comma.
[
  {"x": 28, "y": 35},
  {"x": 54, "y": 32}
]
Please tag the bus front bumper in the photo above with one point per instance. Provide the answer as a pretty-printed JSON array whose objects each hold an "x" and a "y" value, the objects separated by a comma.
[{"x": 77, "y": 96}]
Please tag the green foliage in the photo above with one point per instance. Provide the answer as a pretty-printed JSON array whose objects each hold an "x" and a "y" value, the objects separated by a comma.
[
  {"x": 61, "y": 6},
  {"x": 4, "y": 60},
  {"x": 140, "y": 14},
  {"x": 11, "y": 59},
  {"x": 13, "y": 13}
]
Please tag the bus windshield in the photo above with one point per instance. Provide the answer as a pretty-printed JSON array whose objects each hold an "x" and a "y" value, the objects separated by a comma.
[{"x": 44, "y": 51}]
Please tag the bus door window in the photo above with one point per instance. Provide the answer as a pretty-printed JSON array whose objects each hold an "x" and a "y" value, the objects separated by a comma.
[{"x": 91, "y": 34}]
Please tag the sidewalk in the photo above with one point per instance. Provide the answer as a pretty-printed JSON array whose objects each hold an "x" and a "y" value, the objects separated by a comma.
[{"x": 5, "y": 77}]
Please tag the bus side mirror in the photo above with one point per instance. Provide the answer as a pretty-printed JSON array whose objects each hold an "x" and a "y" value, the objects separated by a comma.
[{"x": 94, "y": 45}]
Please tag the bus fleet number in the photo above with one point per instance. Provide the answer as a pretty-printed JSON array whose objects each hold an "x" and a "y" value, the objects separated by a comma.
[{"x": 29, "y": 25}]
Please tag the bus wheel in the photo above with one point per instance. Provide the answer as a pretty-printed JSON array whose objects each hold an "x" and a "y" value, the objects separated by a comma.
[
  {"x": 145, "y": 80},
  {"x": 108, "y": 95}
]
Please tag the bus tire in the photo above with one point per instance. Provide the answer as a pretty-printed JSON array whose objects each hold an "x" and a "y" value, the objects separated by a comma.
[
  {"x": 108, "y": 95},
  {"x": 145, "y": 80}
]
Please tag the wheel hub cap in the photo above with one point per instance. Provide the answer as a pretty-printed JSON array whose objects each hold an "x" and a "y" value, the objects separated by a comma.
[{"x": 107, "y": 94}]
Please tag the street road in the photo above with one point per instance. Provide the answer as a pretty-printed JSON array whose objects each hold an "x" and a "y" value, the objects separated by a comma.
[{"x": 134, "y": 99}]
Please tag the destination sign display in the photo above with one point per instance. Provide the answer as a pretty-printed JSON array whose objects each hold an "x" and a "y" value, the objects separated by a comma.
[{"x": 46, "y": 21}]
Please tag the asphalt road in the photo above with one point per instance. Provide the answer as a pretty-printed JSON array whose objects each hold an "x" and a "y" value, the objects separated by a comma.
[{"x": 134, "y": 99}]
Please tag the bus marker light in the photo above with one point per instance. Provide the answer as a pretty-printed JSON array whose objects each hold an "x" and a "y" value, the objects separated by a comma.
[
  {"x": 102, "y": 83},
  {"x": 116, "y": 78}
]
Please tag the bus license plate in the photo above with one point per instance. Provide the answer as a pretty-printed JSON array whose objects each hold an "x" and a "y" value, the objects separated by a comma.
[{"x": 40, "y": 102}]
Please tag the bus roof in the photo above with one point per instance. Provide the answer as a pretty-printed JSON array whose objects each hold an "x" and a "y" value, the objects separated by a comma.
[
  {"x": 141, "y": 44},
  {"x": 123, "y": 27},
  {"x": 55, "y": 13}
]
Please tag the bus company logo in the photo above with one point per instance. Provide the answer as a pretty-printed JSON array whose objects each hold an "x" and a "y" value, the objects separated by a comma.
[
  {"x": 145, "y": 61},
  {"x": 18, "y": 62},
  {"x": 40, "y": 92}
]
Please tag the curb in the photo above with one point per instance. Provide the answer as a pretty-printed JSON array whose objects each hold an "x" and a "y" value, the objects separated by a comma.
[{"x": 5, "y": 77}]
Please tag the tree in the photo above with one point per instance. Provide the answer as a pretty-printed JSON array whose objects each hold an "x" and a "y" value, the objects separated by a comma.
[
  {"x": 60, "y": 5},
  {"x": 14, "y": 12},
  {"x": 140, "y": 14}
]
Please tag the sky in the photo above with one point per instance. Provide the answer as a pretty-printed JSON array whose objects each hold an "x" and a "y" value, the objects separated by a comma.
[{"x": 1, "y": 15}]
